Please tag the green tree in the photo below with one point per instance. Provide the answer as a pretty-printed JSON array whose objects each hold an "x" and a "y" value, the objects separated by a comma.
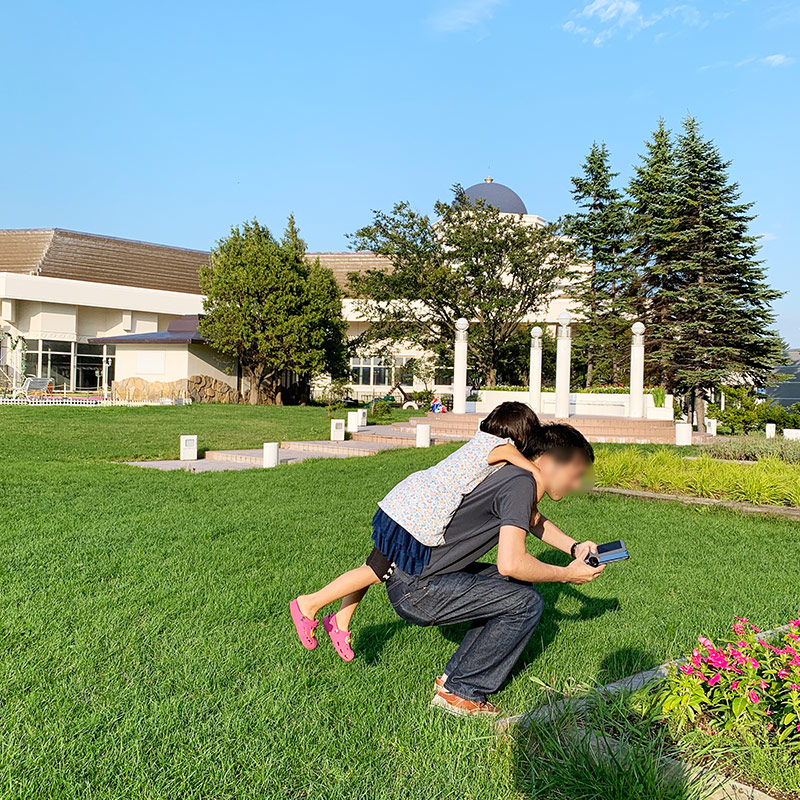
[
  {"x": 650, "y": 200},
  {"x": 271, "y": 309},
  {"x": 603, "y": 290},
  {"x": 717, "y": 323},
  {"x": 473, "y": 261}
]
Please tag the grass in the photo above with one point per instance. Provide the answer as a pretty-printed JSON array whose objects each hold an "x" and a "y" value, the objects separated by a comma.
[
  {"x": 768, "y": 481},
  {"x": 754, "y": 447},
  {"x": 143, "y": 629}
]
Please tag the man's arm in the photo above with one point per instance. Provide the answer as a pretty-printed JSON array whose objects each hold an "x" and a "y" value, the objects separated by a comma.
[
  {"x": 542, "y": 528},
  {"x": 514, "y": 561}
]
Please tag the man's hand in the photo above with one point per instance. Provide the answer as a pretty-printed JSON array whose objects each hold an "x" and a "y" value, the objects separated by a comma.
[
  {"x": 583, "y": 550},
  {"x": 580, "y": 572}
]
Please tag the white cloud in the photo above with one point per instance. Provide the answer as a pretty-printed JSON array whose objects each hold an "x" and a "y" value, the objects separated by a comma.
[
  {"x": 601, "y": 19},
  {"x": 777, "y": 60},
  {"x": 766, "y": 237},
  {"x": 459, "y": 17}
]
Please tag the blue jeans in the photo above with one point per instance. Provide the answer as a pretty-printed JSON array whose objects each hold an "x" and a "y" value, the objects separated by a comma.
[{"x": 503, "y": 613}]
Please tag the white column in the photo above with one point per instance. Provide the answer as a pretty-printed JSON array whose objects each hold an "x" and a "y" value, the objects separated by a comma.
[
  {"x": 423, "y": 430},
  {"x": 637, "y": 371},
  {"x": 683, "y": 433},
  {"x": 353, "y": 420},
  {"x": 535, "y": 375},
  {"x": 770, "y": 430},
  {"x": 563, "y": 355},
  {"x": 460, "y": 368},
  {"x": 337, "y": 430},
  {"x": 271, "y": 457}
]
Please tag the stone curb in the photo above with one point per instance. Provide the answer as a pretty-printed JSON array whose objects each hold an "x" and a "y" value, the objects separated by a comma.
[
  {"x": 785, "y": 512},
  {"x": 727, "y": 788}
]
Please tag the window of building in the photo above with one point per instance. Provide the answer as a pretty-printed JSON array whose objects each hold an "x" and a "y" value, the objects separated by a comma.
[
  {"x": 370, "y": 371},
  {"x": 73, "y": 366},
  {"x": 402, "y": 371}
]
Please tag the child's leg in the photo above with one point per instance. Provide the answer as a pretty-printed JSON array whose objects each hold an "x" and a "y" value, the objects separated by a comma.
[
  {"x": 348, "y": 607},
  {"x": 347, "y": 585}
]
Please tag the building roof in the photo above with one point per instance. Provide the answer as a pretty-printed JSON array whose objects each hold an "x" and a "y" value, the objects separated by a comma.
[
  {"x": 180, "y": 331},
  {"x": 497, "y": 195},
  {"x": 58, "y": 253}
]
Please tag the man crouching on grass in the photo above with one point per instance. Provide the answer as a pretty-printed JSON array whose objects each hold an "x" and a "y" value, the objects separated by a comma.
[{"x": 500, "y": 601}]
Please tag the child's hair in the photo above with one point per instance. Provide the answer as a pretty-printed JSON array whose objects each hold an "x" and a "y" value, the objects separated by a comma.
[
  {"x": 515, "y": 421},
  {"x": 559, "y": 440}
]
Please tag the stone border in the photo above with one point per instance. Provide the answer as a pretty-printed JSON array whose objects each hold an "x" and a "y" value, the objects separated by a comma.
[
  {"x": 785, "y": 512},
  {"x": 727, "y": 788}
]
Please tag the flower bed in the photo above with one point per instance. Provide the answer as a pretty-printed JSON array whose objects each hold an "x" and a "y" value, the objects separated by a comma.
[
  {"x": 740, "y": 685},
  {"x": 754, "y": 448}
]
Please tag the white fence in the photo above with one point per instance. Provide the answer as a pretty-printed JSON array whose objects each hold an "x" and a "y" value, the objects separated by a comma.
[{"x": 79, "y": 402}]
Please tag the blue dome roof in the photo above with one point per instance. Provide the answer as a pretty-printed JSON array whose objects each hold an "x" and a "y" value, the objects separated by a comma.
[{"x": 497, "y": 195}]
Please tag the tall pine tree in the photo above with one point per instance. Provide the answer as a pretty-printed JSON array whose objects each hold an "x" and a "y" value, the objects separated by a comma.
[
  {"x": 603, "y": 290},
  {"x": 650, "y": 199},
  {"x": 710, "y": 303}
]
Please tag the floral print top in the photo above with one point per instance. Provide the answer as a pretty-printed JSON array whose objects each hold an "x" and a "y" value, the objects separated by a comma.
[{"x": 425, "y": 501}]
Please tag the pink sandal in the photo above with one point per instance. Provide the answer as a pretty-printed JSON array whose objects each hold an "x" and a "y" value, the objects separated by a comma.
[
  {"x": 340, "y": 639},
  {"x": 306, "y": 628}
]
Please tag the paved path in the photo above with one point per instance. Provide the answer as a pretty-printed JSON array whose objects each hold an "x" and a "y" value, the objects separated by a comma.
[{"x": 208, "y": 465}]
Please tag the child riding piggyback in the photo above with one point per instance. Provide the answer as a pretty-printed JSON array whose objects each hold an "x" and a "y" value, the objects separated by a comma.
[{"x": 413, "y": 517}]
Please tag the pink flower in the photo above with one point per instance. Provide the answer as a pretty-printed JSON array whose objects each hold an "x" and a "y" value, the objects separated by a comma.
[
  {"x": 754, "y": 629},
  {"x": 795, "y": 662},
  {"x": 795, "y": 623},
  {"x": 742, "y": 644},
  {"x": 738, "y": 629},
  {"x": 735, "y": 685},
  {"x": 714, "y": 680},
  {"x": 688, "y": 669},
  {"x": 794, "y": 685},
  {"x": 707, "y": 643},
  {"x": 783, "y": 673},
  {"x": 793, "y": 636},
  {"x": 744, "y": 619},
  {"x": 754, "y": 662},
  {"x": 753, "y": 696},
  {"x": 763, "y": 684}
]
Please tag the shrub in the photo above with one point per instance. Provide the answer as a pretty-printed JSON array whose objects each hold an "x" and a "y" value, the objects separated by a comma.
[
  {"x": 765, "y": 482},
  {"x": 754, "y": 448},
  {"x": 745, "y": 412},
  {"x": 739, "y": 685},
  {"x": 380, "y": 408}
]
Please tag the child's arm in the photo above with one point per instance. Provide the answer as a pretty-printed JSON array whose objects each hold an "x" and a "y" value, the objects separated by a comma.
[{"x": 509, "y": 454}]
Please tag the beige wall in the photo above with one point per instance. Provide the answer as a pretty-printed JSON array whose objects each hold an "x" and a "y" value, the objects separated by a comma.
[{"x": 202, "y": 360}]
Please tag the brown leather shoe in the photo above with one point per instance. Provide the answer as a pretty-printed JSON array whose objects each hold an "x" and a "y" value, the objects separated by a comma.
[{"x": 461, "y": 707}]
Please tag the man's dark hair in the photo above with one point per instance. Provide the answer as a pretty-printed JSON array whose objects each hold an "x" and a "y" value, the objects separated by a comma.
[
  {"x": 559, "y": 440},
  {"x": 515, "y": 421}
]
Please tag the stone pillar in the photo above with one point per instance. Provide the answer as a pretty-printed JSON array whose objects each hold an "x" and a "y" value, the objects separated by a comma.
[
  {"x": 535, "y": 375},
  {"x": 637, "y": 372},
  {"x": 337, "y": 430},
  {"x": 353, "y": 420},
  {"x": 770, "y": 430},
  {"x": 563, "y": 355},
  {"x": 271, "y": 455},
  {"x": 460, "y": 368},
  {"x": 423, "y": 432}
]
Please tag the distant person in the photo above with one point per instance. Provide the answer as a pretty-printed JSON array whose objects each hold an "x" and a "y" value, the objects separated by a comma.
[{"x": 411, "y": 520}]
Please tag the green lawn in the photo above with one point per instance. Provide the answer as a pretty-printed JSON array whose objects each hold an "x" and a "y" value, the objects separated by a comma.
[{"x": 147, "y": 650}]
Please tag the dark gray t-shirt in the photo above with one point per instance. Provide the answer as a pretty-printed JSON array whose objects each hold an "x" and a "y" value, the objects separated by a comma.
[{"x": 506, "y": 497}]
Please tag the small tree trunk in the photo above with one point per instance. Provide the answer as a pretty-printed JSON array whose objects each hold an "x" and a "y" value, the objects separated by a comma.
[
  {"x": 255, "y": 376},
  {"x": 700, "y": 408}
]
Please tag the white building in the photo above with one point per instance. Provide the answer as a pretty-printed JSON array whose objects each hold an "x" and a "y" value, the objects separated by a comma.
[{"x": 59, "y": 289}]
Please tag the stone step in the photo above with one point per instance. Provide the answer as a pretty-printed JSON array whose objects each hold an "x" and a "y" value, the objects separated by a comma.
[
  {"x": 346, "y": 449},
  {"x": 388, "y": 434}
]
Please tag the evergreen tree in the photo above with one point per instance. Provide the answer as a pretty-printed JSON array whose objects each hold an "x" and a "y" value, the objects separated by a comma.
[
  {"x": 602, "y": 291},
  {"x": 715, "y": 301},
  {"x": 650, "y": 198},
  {"x": 271, "y": 309}
]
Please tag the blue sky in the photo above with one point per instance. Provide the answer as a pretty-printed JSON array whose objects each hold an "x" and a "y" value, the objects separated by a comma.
[{"x": 168, "y": 122}]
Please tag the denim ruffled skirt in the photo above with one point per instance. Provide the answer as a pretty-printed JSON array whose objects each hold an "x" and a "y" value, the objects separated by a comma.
[{"x": 398, "y": 545}]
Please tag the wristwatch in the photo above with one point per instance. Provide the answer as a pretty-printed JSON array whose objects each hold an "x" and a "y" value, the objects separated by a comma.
[{"x": 572, "y": 549}]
